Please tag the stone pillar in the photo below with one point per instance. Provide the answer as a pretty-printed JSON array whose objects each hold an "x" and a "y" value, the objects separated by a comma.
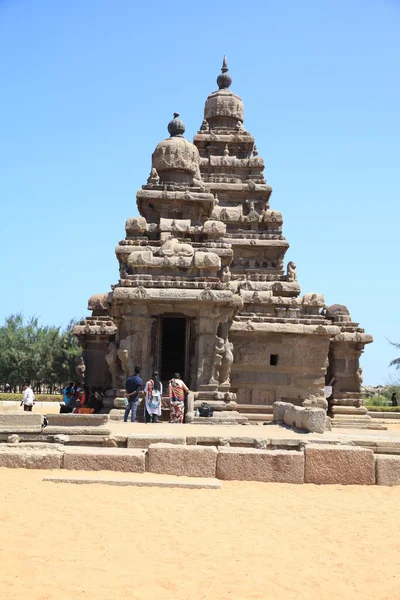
[
  {"x": 347, "y": 403},
  {"x": 206, "y": 345},
  {"x": 136, "y": 345}
]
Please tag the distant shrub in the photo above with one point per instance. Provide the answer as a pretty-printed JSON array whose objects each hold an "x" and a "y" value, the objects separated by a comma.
[
  {"x": 377, "y": 401},
  {"x": 38, "y": 397},
  {"x": 395, "y": 409}
]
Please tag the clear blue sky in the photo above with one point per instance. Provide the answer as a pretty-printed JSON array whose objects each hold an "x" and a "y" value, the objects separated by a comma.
[{"x": 88, "y": 88}]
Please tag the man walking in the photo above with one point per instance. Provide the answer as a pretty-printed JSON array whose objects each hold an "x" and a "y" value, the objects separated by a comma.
[
  {"x": 28, "y": 399},
  {"x": 133, "y": 386}
]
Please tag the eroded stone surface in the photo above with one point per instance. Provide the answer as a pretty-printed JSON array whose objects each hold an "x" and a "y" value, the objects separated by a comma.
[
  {"x": 248, "y": 464},
  {"x": 30, "y": 458},
  {"x": 20, "y": 419},
  {"x": 72, "y": 420},
  {"x": 337, "y": 464},
  {"x": 104, "y": 459},
  {"x": 144, "y": 441},
  {"x": 387, "y": 470},
  {"x": 191, "y": 461}
]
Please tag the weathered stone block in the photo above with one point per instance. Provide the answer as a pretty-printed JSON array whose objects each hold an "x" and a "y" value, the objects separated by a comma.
[
  {"x": 72, "y": 420},
  {"x": 313, "y": 419},
  {"x": 190, "y": 461},
  {"x": 116, "y": 414},
  {"x": 387, "y": 470},
  {"x": 291, "y": 416},
  {"x": 70, "y": 430},
  {"x": 104, "y": 459},
  {"x": 20, "y": 419},
  {"x": 20, "y": 429},
  {"x": 344, "y": 465},
  {"x": 279, "y": 409},
  {"x": 29, "y": 458},
  {"x": 251, "y": 464},
  {"x": 144, "y": 441}
]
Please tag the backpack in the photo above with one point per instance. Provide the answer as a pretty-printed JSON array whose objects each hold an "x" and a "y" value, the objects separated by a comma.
[{"x": 205, "y": 410}]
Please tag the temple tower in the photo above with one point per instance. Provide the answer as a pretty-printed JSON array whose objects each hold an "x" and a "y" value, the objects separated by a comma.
[{"x": 203, "y": 287}]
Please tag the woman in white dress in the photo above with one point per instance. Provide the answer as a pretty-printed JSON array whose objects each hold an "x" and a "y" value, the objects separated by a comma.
[{"x": 153, "y": 393}]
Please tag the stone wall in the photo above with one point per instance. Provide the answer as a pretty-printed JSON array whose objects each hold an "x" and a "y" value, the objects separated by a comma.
[{"x": 300, "y": 368}]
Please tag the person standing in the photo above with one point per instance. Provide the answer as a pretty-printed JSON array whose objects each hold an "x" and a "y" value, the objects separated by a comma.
[
  {"x": 394, "y": 399},
  {"x": 177, "y": 390},
  {"x": 133, "y": 387},
  {"x": 28, "y": 398},
  {"x": 153, "y": 392}
]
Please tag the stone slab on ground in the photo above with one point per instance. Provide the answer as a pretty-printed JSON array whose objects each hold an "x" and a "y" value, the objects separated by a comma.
[
  {"x": 20, "y": 419},
  {"x": 116, "y": 414},
  {"x": 225, "y": 417},
  {"x": 104, "y": 459},
  {"x": 339, "y": 464},
  {"x": 189, "y": 461},
  {"x": 142, "y": 480},
  {"x": 78, "y": 440},
  {"x": 144, "y": 441},
  {"x": 20, "y": 457},
  {"x": 387, "y": 470},
  {"x": 251, "y": 464},
  {"x": 72, "y": 420},
  {"x": 32, "y": 429},
  {"x": 56, "y": 430}
]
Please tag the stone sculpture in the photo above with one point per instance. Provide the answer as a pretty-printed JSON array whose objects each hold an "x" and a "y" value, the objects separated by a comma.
[
  {"x": 80, "y": 368},
  {"x": 291, "y": 274}
]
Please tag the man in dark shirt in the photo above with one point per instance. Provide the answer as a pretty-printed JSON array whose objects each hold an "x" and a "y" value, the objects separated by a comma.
[{"x": 133, "y": 386}]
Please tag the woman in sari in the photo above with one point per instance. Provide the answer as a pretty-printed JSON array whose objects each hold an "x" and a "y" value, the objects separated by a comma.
[
  {"x": 177, "y": 391},
  {"x": 152, "y": 394}
]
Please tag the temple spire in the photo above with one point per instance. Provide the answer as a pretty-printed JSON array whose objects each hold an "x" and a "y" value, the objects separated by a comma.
[{"x": 224, "y": 80}]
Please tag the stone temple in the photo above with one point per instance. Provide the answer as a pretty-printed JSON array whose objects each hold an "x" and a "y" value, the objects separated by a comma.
[{"x": 203, "y": 288}]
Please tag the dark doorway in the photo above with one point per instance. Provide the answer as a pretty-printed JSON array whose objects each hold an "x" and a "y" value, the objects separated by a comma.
[{"x": 173, "y": 347}]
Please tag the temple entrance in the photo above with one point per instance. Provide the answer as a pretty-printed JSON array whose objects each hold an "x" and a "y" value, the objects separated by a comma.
[{"x": 173, "y": 347}]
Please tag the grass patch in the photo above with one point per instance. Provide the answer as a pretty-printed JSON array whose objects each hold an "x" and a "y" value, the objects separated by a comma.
[
  {"x": 38, "y": 397},
  {"x": 395, "y": 409}
]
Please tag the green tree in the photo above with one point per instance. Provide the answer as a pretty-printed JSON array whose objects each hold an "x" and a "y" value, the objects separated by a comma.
[
  {"x": 396, "y": 361},
  {"x": 41, "y": 354}
]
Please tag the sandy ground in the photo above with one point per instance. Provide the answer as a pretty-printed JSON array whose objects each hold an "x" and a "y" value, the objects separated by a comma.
[{"x": 246, "y": 541}]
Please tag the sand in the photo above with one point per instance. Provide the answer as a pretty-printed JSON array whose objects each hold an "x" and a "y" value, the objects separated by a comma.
[{"x": 246, "y": 541}]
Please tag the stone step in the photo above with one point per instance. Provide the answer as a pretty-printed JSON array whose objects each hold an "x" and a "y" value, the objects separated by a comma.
[
  {"x": 255, "y": 408},
  {"x": 85, "y": 458},
  {"x": 140, "y": 480},
  {"x": 264, "y": 418}
]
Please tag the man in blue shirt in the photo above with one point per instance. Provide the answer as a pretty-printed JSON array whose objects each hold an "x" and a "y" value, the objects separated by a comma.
[{"x": 133, "y": 386}]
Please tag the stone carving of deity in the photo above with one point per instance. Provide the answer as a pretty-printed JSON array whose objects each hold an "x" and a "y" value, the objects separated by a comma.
[
  {"x": 80, "y": 368},
  {"x": 226, "y": 363}
]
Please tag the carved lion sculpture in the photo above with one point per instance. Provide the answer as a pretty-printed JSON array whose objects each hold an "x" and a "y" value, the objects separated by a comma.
[
  {"x": 291, "y": 274},
  {"x": 174, "y": 247}
]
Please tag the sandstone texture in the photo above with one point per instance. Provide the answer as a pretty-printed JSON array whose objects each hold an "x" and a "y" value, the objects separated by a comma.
[
  {"x": 387, "y": 470},
  {"x": 20, "y": 419},
  {"x": 144, "y": 441},
  {"x": 104, "y": 459},
  {"x": 343, "y": 465},
  {"x": 72, "y": 431},
  {"x": 30, "y": 458},
  {"x": 279, "y": 409},
  {"x": 72, "y": 420},
  {"x": 248, "y": 464},
  {"x": 191, "y": 461}
]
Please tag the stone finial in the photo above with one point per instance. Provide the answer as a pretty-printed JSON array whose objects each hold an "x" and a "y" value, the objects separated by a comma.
[
  {"x": 255, "y": 151},
  {"x": 176, "y": 127},
  {"x": 224, "y": 80}
]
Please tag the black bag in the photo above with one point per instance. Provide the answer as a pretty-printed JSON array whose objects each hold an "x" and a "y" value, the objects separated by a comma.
[{"x": 205, "y": 410}]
